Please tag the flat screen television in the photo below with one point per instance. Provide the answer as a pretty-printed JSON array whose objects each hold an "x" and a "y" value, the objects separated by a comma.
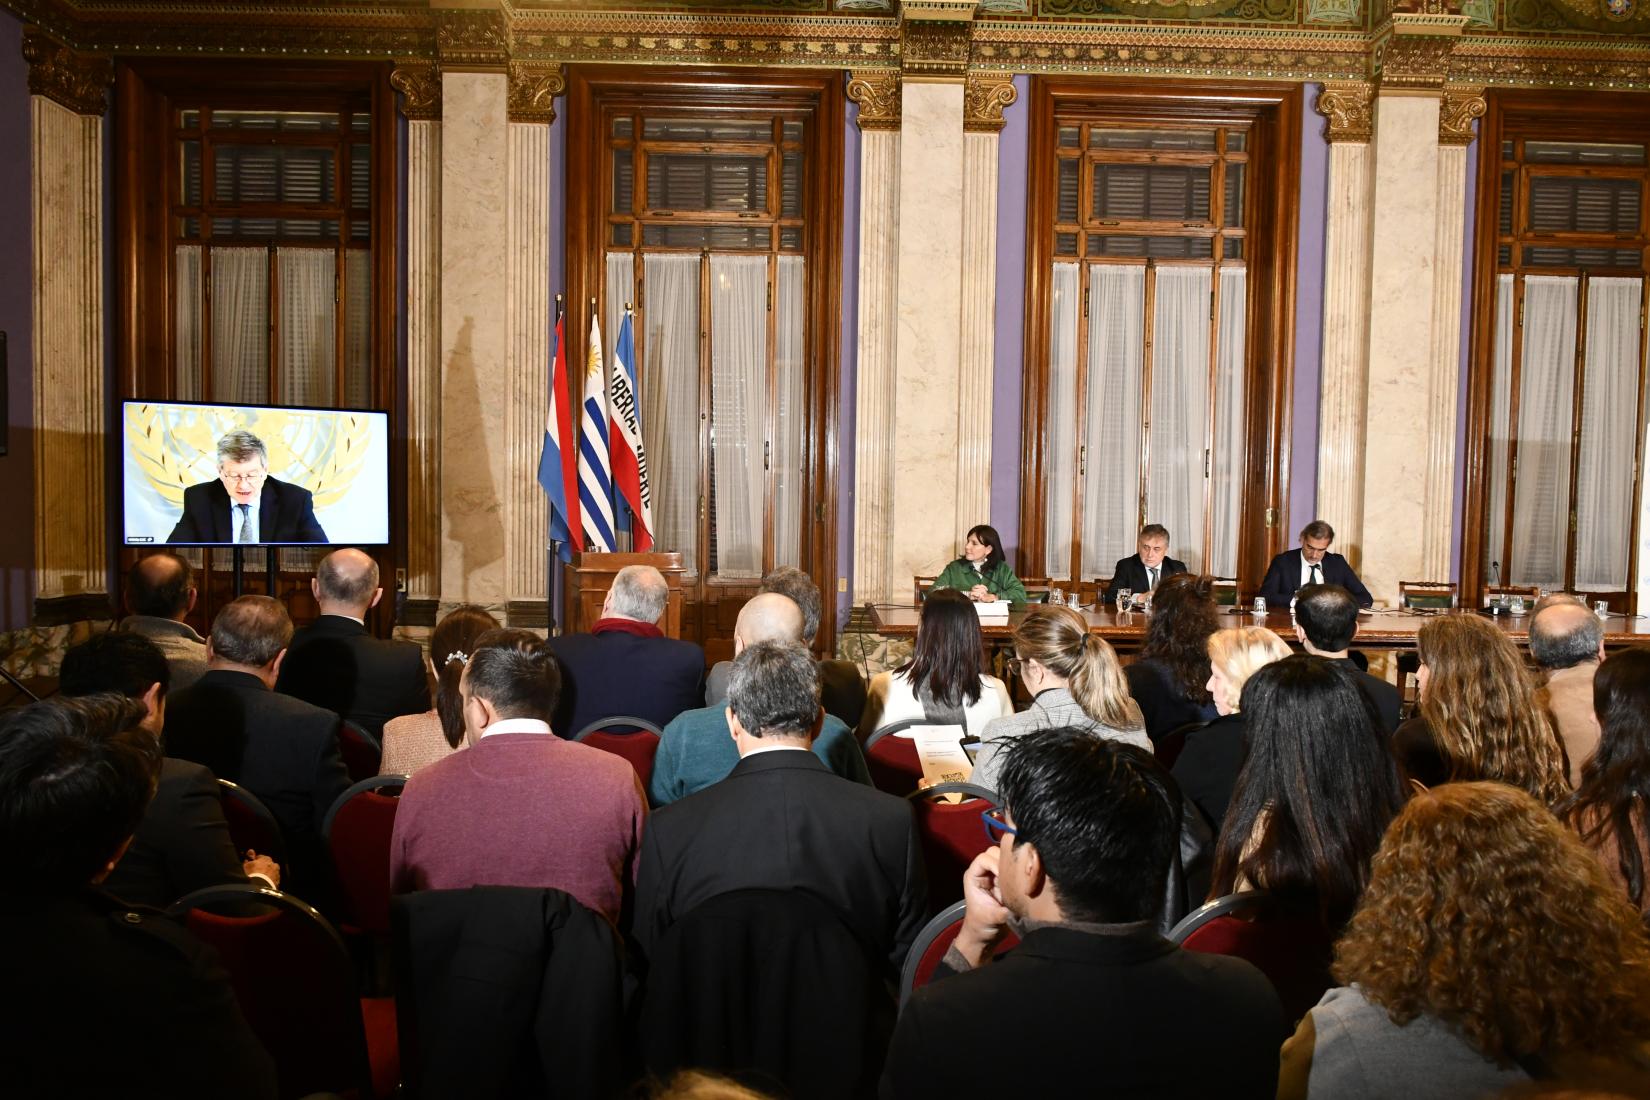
[{"x": 221, "y": 475}]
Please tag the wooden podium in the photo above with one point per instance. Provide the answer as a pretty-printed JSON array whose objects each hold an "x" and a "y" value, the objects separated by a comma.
[{"x": 590, "y": 575}]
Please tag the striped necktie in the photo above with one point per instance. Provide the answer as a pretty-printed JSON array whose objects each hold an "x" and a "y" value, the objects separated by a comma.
[{"x": 246, "y": 523}]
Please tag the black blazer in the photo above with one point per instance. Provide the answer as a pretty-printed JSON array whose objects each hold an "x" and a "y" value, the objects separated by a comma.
[
  {"x": 782, "y": 820},
  {"x": 1388, "y": 703},
  {"x": 1283, "y": 577},
  {"x": 1207, "y": 768},
  {"x": 336, "y": 664},
  {"x": 612, "y": 673},
  {"x": 1130, "y": 573},
  {"x": 182, "y": 843},
  {"x": 286, "y": 513},
  {"x": 1130, "y": 1013},
  {"x": 1161, "y": 701},
  {"x": 281, "y": 749}
]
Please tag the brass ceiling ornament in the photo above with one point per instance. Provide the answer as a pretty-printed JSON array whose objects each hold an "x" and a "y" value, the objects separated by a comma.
[
  {"x": 78, "y": 81},
  {"x": 985, "y": 95},
  {"x": 878, "y": 96},
  {"x": 1461, "y": 104},
  {"x": 934, "y": 38},
  {"x": 1349, "y": 107},
  {"x": 419, "y": 83},
  {"x": 532, "y": 91}
]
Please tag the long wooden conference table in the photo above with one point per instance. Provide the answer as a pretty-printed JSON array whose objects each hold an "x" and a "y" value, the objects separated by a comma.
[{"x": 1126, "y": 630}]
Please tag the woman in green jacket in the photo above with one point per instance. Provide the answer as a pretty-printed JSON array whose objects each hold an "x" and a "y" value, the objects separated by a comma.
[{"x": 981, "y": 574}]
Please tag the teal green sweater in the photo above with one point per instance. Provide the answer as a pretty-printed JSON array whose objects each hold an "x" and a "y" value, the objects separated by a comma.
[{"x": 999, "y": 580}]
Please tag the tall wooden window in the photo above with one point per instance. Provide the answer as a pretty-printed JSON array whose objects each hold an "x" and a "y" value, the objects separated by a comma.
[
  {"x": 1560, "y": 359},
  {"x": 1161, "y": 250},
  {"x": 716, "y": 222}
]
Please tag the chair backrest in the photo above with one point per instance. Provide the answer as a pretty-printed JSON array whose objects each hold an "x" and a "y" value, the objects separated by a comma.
[
  {"x": 930, "y": 947},
  {"x": 1167, "y": 747},
  {"x": 951, "y": 835},
  {"x": 635, "y": 739},
  {"x": 1037, "y": 588},
  {"x": 357, "y": 831},
  {"x": 361, "y": 751},
  {"x": 920, "y": 587},
  {"x": 1493, "y": 592},
  {"x": 294, "y": 981},
  {"x": 251, "y": 825},
  {"x": 1426, "y": 595},
  {"x": 1291, "y": 947},
  {"x": 1225, "y": 591},
  {"x": 892, "y": 761}
]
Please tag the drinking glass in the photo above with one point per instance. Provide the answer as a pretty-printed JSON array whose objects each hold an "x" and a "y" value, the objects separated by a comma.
[
  {"x": 1125, "y": 598},
  {"x": 1260, "y": 606}
]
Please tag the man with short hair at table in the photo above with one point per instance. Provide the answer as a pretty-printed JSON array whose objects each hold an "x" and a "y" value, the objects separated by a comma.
[
  {"x": 1311, "y": 563},
  {"x": 1142, "y": 571},
  {"x": 1326, "y": 621}
]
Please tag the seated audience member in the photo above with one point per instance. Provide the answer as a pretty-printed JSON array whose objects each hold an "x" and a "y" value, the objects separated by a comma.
[
  {"x": 944, "y": 682},
  {"x": 1311, "y": 563},
  {"x": 1075, "y": 683},
  {"x": 1208, "y": 765},
  {"x": 626, "y": 665},
  {"x": 182, "y": 844},
  {"x": 1092, "y": 993},
  {"x": 1142, "y": 571},
  {"x": 982, "y": 573},
  {"x": 107, "y": 1001},
  {"x": 520, "y": 806},
  {"x": 841, "y": 687},
  {"x": 782, "y": 821},
  {"x": 160, "y": 592},
  {"x": 1611, "y": 808},
  {"x": 1326, "y": 621},
  {"x": 1316, "y": 791},
  {"x": 335, "y": 663},
  {"x": 1567, "y": 641},
  {"x": 415, "y": 740},
  {"x": 696, "y": 750},
  {"x": 1169, "y": 679},
  {"x": 1490, "y": 947},
  {"x": 283, "y": 750},
  {"x": 1478, "y": 715}
]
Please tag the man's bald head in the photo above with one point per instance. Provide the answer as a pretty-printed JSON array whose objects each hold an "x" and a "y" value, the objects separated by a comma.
[
  {"x": 768, "y": 617},
  {"x": 161, "y": 585},
  {"x": 346, "y": 583},
  {"x": 1563, "y": 635}
]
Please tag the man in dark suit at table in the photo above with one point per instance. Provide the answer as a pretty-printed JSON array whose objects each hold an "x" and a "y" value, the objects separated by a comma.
[
  {"x": 1142, "y": 571},
  {"x": 336, "y": 663},
  {"x": 245, "y": 504},
  {"x": 1311, "y": 563}
]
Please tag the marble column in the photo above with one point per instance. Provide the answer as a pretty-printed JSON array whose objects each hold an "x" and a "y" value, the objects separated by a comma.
[
  {"x": 985, "y": 96},
  {"x": 474, "y": 251},
  {"x": 1341, "y": 409},
  {"x": 420, "y": 87},
  {"x": 70, "y": 418},
  {"x": 878, "y": 96}
]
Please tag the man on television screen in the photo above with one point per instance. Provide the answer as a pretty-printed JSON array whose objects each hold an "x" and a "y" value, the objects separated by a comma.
[{"x": 245, "y": 504}]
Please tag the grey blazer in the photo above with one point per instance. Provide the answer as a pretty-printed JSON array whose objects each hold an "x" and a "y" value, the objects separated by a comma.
[{"x": 1053, "y": 707}]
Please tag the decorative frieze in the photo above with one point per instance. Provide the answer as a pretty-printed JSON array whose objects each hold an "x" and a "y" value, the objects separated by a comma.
[
  {"x": 1412, "y": 50},
  {"x": 472, "y": 39},
  {"x": 1462, "y": 104},
  {"x": 934, "y": 37},
  {"x": 985, "y": 95},
  {"x": 533, "y": 88},
  {"x": 67, "y": 77},
  {"x": 419, "y": 83},
  {"x": 878, "y": 96},
  {"x": 1348, "y": 108}
]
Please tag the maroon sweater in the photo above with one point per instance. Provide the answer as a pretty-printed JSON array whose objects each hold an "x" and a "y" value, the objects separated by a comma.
[{"x": 522, "y": 809}]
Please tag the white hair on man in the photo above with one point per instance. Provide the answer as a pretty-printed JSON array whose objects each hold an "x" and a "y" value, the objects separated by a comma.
[{"x": 639, "y": 593}]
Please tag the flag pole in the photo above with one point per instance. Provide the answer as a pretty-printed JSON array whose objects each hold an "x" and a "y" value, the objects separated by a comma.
[{"x": 552, "y": 576}]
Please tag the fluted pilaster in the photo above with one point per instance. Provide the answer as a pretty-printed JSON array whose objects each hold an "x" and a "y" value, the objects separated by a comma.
[
  {"x": 1445, "y": 362},
  {"x": 979, "y": 330},
  {"x": 423, "y": 361},
  {"x": 879, "y": 154},
  {"x": 527, "y": 324}
]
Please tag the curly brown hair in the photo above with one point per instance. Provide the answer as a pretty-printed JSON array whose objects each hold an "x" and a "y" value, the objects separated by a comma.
[
  {"x": 1480, "y": 704},
  {"x": 1177, "y": 634},
  {"x": 1485, "y": 912}
]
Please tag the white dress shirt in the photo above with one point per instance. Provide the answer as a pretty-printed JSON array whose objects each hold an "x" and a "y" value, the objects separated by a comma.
[
  {"x": 516, "y": 725},
  {"x": 1306, "y": 572}
]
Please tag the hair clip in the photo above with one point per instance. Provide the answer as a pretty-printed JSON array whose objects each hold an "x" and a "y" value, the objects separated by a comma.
[{"x": 458, "y": 655}]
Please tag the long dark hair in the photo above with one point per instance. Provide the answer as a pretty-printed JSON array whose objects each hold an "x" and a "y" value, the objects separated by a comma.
[
  {"x": 1317, "y": 784},
  {"x": 947, "y": 654},
  {"x": 988, "y": 537},
  {"x": 451, "y": 644},
  {"x": 1613, "y": 801},
  {"x": 1177, "y": 634}
]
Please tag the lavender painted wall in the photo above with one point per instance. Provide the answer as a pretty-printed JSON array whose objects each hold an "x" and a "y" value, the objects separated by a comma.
[
  {"x": 849, "y": 375},
  {"x": 16, "y": 319},
  {"x": 1010, "y": 318},
  {"x": 1314, "y": 199},
  {"x": 1468, "y": 242}
]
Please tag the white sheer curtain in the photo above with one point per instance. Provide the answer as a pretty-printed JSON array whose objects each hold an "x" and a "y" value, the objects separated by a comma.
[
  {"x": 240, "y": 325},
  {"x": 1111, "y": 486},
  {"x": 1180, "y": 404},
  {"x": 1609, "y": 434},
  {"x": 1500, "y": 432},
  {"x": 1226, "y": 465},
  {"x": 788, "y": 414},
  {"x": 186, "y": 367},
  {"x": 670, "y": 397},
  {"x": 306, "y": 278},
  {"x": 738, "y": 375},
  {"x": 358, "y": 328},
  {"x": 1546, "y": 392},
  {"x": 1060, "y": 453}
]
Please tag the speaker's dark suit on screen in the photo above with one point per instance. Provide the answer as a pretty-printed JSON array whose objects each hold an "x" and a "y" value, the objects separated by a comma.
[
  {"x": 1130, "y": 573},
  {"x": 1284, "y": 577},
  {"x": 286, "y": 513}
]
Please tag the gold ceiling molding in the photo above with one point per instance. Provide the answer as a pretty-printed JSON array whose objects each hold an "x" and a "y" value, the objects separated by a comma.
[
  {"x": 67, "y": 77},
  {"x": 878, "y": 96},
  {"x": 472, "y": 39},
  {"x": 984, "y": 97},
  {"x": 419, "y": 83},
  {"x": 676, "y": 39},
  {"x": 1520, "y": 63},
  {"x": 1412, "y": 51},
  {"x": 1165, "y": 50},
  {"x": 1461, "y": 104},
  {"x": 267, "y": 29},
  {"x": 1349, "y": 108},
  {"x": 532, "y": 91}
]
